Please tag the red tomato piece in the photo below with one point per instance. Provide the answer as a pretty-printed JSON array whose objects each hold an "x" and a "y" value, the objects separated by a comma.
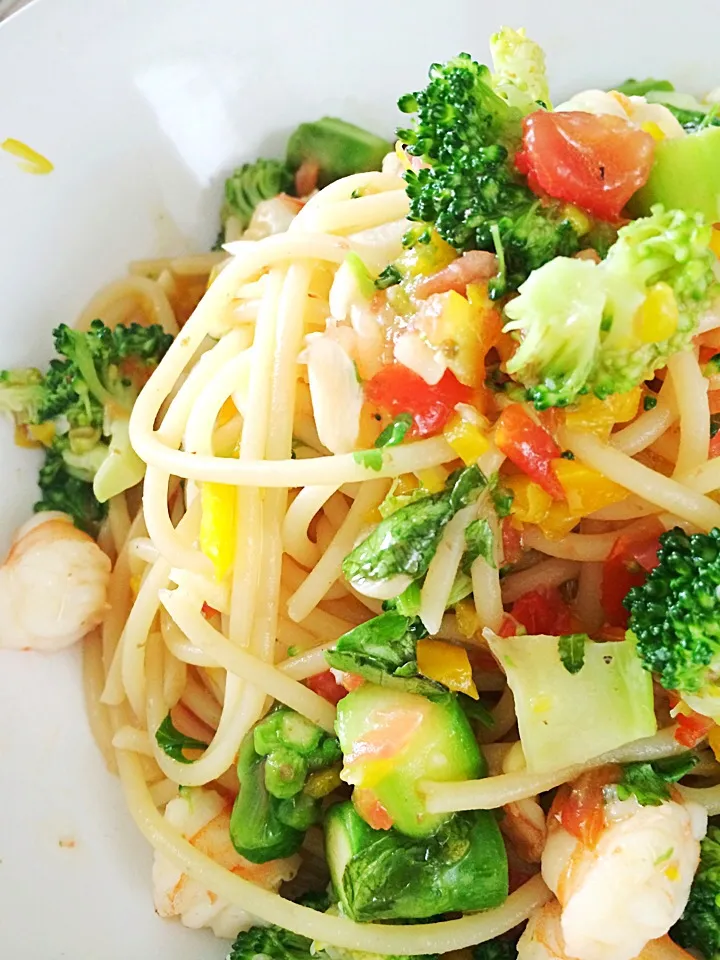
[
  {"x": 580, "y": 808},
  {"x": 370, "y": 809},
  {"x": 692, "y": 729},
  {"x": 396, "y": 389},
  {"x": 326, "y": 686},
  {"x": 631, "y": 559},
  {"x": 714, "y": 448},
  {"x": 509, "y": 626},
  {"x": 544, "y": 612},
  {"x": 595, "y": 162},
  {"x": 512, "y": 541},
  {"x": 530, "y": 447}
]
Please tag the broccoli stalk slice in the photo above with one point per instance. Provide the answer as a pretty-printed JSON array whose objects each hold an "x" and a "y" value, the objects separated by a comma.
[
  {"x": 383, "y": 875},
  {"x": 337, "y": 147},
  {"x": 21, "y": 393},
  {"x": 252, "y": 183}
]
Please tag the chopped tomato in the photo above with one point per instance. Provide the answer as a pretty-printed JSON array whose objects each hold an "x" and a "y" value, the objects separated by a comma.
[
  {"x": 595, "y": 162},
  {"x": 509, "y": 627},
  {"x": 580, "y": 808},
  {"x": 692, "y": 729},
  {"x": 209, "y": 612},
  {"x": 544, "y": 612},
  {"x": 326, "y": 686},
  {"x": 370, "y": 809},
  {"x": 530, "y": 447},
  {"x": 714, "y": 448},
  {"x": 397, "y": 389},
  {"x": 632, "y": 557},
  {"x": 512, "y": 541}
]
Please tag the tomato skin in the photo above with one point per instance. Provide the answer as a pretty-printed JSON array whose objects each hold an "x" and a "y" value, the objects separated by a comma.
[
  {"x": 544, "y": 612},
  {"x": 580, "y": 808},
  {"x": 631, "y": 559},
  {"x": 530, "y": 447},
  {"x": 691, "y": 729},
  {"x": 397, "y": 389},
  {"x": 370, "y": 809},
  {"x": 326, "y": 686},
  {"x": 595, "y": 162}
]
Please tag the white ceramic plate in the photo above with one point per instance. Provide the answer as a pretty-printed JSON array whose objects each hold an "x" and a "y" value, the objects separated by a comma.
[{"x": 143, "y": 105}]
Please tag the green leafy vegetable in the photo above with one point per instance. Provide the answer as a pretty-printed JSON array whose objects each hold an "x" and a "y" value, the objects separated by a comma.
[
  {"x": 470, "y": 191},
  {"x": 572, "y": 651},
  {"x": 502, "y": 497},
  {"x": 173, "y": 743},
  {"x": 277, "y": 803},
  {"x": 638, "y": 88},
  {"x": 80, "y": 410},
  {"x": 396, "y": 431},
  {"x": 389, "y": 277},
  {"x": 649, "y": 403},
  {"x": 370, "y": 459},
  {"x": 596, "y": 347},
  {"x": 383, "y": 875},
  {"x": 699, "y": 927},
  {"x": 405, "y": 542},
  {"x": 675, "y": 616},
  {"x": 650, "y": 782},
  {"x": 480, "y": 543},
  {"x": 499, "y": 948}
]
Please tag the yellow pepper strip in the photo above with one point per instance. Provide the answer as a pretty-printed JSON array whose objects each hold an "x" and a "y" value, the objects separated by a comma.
[
  {"x": 586, "y": 490},
  {"x": 426, "y": 258},
  {"x": 227, "y": 411},
  {"x": 468, "y": 622},
  {"x": 653, "y": 129},
  {"x": 466, "y": 439},
  {"x": 558, "y": 521},
  {"x": 432, "y": 478},
  {"x": 530, "y": 502},
  {"x": 30, "y": 160},
  {"x": 217, "y": 526},
  {"x": 598, "y": 417},
  {"x": 447, "y": 664},
  {"x": 714, "y": 741},
  {"x": 715, "y": 241},
  {"x": 657, "y": 316},
  {"x": 580, "y": 221}
]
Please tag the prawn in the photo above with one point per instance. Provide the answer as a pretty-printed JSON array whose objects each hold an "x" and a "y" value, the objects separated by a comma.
[{"x": 53, "y": 585}]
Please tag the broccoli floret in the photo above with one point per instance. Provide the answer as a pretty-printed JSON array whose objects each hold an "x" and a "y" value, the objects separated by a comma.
[
  {"x": 675, "y": 614},
  {"x": 273, "y": 943},
  {"x": 471, "y": 191},
  {"x": 699, "y": 927},
  {"x": 80, "y": 411},
  {"x": 519, "y": 74},
  {"x": 592, "y": 327},
  {"x": 252, "y": 183},
  {"x": 21, "y": 393}
]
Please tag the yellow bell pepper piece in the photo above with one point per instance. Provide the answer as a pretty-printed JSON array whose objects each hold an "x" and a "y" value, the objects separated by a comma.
[
  {"x": 447, "y": 664},
  {"x": 466, "y": 439},
  {"x": 530, "y": 502},
  {"x": 558, "y": 521},
  {"x": 714, "y": 741},
  {"x": 580, "y": 220},
  {"x": 586, "y": 490},
  {"x": 653, "y": 129},
  {"x": 227, "y": 411},
  {"x": 715, "y": 241},
  {"x": 657, "y": 316},
  {"x": 426, "y": 258},
  {"x": 217, "y": 526},
  {"x": 468, "y": 621},
  {"x": 598, "y": 417},
  {"x": 432, "y": 478}
]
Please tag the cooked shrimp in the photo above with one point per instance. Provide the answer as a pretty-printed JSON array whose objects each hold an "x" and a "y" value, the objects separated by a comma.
[
  {"x": 523, "y": 824},
  {"x": 542, "y": 938},
  {"x": 203, "y": 818},
  {"x": 621, "y": 872},
  {"x": 53, "y": 585}
]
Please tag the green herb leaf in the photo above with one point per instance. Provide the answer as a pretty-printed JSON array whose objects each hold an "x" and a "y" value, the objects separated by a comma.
[
  {"x": 567, "y": 455},
  {"x": 408, "y": 603},
  {"x": 389, "y": 277},
  {"x": 714, "y": 424},
  {"x": 502, "y": 498},
  {"x": 572, "y": 651},
  {"x": 650, "y": 782},
  {"x": 649, "y": 403},
  {"x": 172, "y": 742},
  {"x": 638, "y": 88},
  {"x": 406, "y": 541},
  {"x": 395, "y": 432},
  {"x": 480, "y": 543},
  {"x": 370, "y": 459},
  {"x": 362, "y": 275}
]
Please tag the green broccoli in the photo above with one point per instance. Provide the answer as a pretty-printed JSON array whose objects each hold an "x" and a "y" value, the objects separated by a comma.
[
  {"x": 252, "y": 183},
  {"x": 286, "y": 765},
  {"x": 698, "y": 929},
  {"x": 470, "y": 191},
  {"x": 80, "y": 410},
  {"x": 675, "y": 616},
  {"x": 499, "y": 948},
  {"x": 519, "y": 74},
  {"x": 590, "y": 327},
  {"x": 337, "y": 147}
]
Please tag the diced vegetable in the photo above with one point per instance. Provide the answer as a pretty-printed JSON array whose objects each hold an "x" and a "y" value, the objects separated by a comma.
[
  {"x": 383, "y": 875},
  {"x": 391, "y": 740},
  {"x": 447, "y": 664},
  {"x": 396, "y": 389},
  {"x": 530, "y": 447},
  {"x": 338, "y": 148},
  {"x": 217, "y": 526},
  {"x": 567, "y": 718}
]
